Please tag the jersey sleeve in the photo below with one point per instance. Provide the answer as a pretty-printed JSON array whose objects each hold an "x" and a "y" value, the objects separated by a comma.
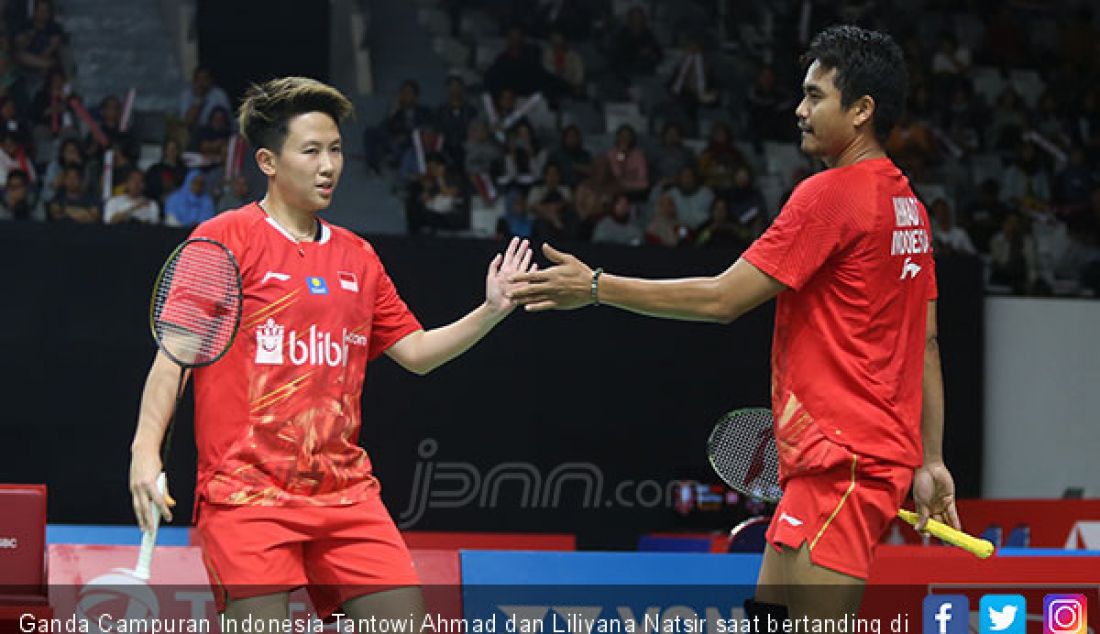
[
  {"x": 811, "y": 227},
  {"x": 932, "y": 293},
  {"x": 392, "y": 318}
]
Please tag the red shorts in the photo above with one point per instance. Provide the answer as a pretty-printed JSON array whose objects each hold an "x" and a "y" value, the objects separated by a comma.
[
  {"x": 337, "y": 552},
  {"x": 837, "y": 502}
]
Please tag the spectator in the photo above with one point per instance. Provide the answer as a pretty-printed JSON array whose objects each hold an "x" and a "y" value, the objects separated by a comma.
[
  {"x": 518, "y": 221},
  {"x": 618, "y": 227},
  {"x": 453, "y": 119},
  {"x": 524, "y": 160},
  {"x": 1086, "y": 124},
  {"x": 692, "y": 199},
  {"x": 50, "y": 108},
  {"x": 593, "y": 197},
  {"x": 771, "y": 113},
  {"x": 11, "y": 119},
  {"x": 11, "y": 81},
  {"x": 555, "y": 219},
  {"x": 720, "y": 231},
  {"x": 212, "y": 138},
  {"x": 964, "y": 119},
  {"x": 132, "y": 206},
  {"x": 74, "y": 203},
  {"x": 949, "y": 237},
  {"x": 672, "y": 157},
  {"x": 911, "y": 145},
  {"x": 951, "y": 62},
  {"x": 1074, "y": 183},
  {"x": 1025, "y": 183},
  {"x": 692, "y": 82},
  {"x": 190, "y": 204},
  {"x": 110, "y": 122},
  {"x": 1013, "y": 261},
  {"x": 38, "y": 46},
  {"x": 636, "y": 50},
  {"x": 236, "y": 195},
  {"x": 13, "y": 156},
  {"x": 199, "y": 100},
  {"x": 720, "y": 160},
  {"x": 69, "y": 153},
  {"x": 628, "y": 164},
  {"x": 1050, "y": 121},
  {"x": 436, "y": 199},
  {"x": 409, "y": 169},
  {"x": 574, "y": 159},
  {"x": 746, "y": 205},
  {"x": 987, "y": 214},
  {"x": 166, "y": 175},
  {"x": 16, "y": 202},
  {"x": 1007, "y": 121},
  {"x": 666, "y": 229},
  {"x": 388, "y": 142},
  {"x": 518, "y": 67},
  {"x": 484, "y": 159},
  {"x": 564, "y": 66}
]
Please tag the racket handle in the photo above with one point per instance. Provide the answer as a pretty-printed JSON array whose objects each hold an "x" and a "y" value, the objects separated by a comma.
[
  {"x": 149, "y": 537},
  {"x": 978, "y": 547}
]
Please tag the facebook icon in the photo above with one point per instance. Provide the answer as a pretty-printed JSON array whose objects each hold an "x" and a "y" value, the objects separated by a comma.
[{"x": 946, "y": 614}]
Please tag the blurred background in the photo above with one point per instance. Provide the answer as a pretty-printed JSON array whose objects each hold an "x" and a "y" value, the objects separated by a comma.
[{"x": 652, "y": 138}]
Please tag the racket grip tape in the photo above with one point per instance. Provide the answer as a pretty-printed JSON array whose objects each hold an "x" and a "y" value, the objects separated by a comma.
[
  {"x": 149, "y": 537},
  {"x": 978, "y": 547}
]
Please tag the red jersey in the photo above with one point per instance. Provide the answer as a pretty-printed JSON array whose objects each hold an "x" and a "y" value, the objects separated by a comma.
[
  {"x": 277, "y": 419},
  {"x": 854, "y": 247}
]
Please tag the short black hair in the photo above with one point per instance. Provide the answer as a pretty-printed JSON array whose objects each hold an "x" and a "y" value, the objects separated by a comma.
[{"x": 866, "y": 63}]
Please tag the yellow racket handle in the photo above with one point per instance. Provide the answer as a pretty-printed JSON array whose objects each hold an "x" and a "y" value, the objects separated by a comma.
[{"x": 978, "y": 547}]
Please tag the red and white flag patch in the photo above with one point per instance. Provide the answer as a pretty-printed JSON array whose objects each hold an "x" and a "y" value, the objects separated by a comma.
[{"x": 348, "y": 281}]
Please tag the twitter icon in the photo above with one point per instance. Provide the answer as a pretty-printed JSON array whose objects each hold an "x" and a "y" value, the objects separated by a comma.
[{"x": 1003, "y": 614}]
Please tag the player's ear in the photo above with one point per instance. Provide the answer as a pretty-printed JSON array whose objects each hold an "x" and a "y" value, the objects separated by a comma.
[
  {"x": 862, "y": 110},
  {"x": 265, "y": 159}
]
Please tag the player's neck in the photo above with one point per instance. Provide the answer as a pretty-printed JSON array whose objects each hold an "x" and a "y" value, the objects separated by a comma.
[
  {"x": 861, "y": 149},
  {"x": 302, "y": 225}
]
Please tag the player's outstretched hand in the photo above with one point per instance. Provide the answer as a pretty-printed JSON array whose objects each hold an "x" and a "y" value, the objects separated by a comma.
[
  {"x": 564, "y": 286},
  {"x": 934, "y": 495},
  {"x": 498, "y": 285}
]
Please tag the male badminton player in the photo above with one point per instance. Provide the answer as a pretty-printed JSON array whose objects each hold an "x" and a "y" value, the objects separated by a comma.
[
  {"x": 285, "y": 496},
  {"x": 856, "y": 382}
]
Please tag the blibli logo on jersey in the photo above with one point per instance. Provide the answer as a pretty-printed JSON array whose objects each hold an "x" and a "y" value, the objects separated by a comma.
[
  {"x": 315, "y": 347},
  {"x": 317, "y": 285}
]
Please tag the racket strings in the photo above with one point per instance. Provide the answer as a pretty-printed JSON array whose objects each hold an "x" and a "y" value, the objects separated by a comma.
[
  {"x": 743, "y": 453},
  {"x": 196, "y": 304}
]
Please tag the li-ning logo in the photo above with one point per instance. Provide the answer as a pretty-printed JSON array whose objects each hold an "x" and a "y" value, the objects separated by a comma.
[
  {"x": 316, "y": 347},
  {"x": 9, "y": 543},
  {"x": 909, "y": 269}
]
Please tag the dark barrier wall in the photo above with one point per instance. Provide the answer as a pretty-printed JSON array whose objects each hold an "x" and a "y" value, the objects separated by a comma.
[
  {"x": 570, "y": 422},
  {"x": 246, "y": 41}
]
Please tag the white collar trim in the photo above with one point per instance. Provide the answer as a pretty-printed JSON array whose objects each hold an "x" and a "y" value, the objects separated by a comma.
[{"x": 326, "y": 233}]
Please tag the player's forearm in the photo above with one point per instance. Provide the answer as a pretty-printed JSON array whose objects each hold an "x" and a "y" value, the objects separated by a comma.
[
  {"x": 157, "y": 400},
  {"x": 437, "y": 346},
  {"x": 932, "y": 410},
  {"x": 688, "y": 299}
]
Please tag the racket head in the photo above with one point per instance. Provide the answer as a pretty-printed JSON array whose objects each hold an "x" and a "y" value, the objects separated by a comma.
[
  {"x": 742, "y": 451},
  {"x": 197, "y": 301}
]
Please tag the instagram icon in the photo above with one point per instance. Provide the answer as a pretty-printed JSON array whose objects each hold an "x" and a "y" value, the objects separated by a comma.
[{"x": 1065, "y": 614}]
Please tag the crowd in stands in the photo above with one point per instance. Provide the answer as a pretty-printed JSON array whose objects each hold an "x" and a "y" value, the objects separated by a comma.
[
  {"x": 651, "y": 123},
  {"x": 65, "y": 161},
  {"x": 1001, "y": 138}
]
